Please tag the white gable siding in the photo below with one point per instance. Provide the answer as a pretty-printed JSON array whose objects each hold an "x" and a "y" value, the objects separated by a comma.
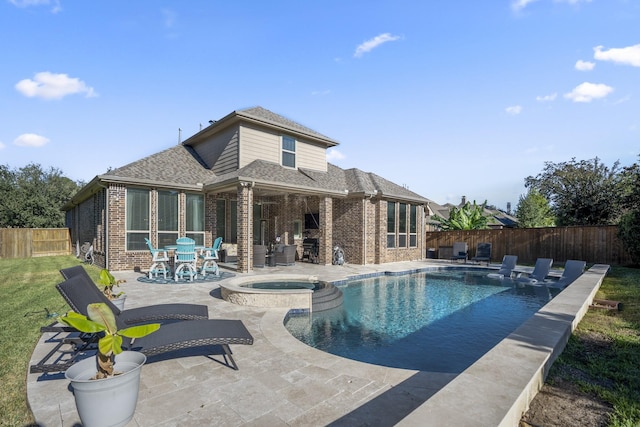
[
  {"x": 258, "y": 144},
  {"x": 267, "y": 145},
  {"x": 311, "y": 156}
]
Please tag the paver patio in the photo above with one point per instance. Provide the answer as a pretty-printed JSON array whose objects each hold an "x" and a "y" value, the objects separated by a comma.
[{"x": 283, "y": 382}]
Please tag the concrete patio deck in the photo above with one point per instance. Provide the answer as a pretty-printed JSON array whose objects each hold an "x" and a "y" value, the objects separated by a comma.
[{"x": 283, "y": 382}]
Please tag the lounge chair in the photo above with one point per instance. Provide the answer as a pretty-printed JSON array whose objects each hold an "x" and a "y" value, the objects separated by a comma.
[
  {"x": 483, "y": 253},
  {"x": 460, "y": 251},
  {"x": 572, "y": 270},
  {"x": 86, "y": 292},
  {"x": 180, "y": 335},
  {"x": 539, "y": 273},
  {"x": 508, "y": 264}
]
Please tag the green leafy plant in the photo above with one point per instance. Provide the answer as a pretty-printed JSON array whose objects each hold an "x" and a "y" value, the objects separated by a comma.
[
  {"x": 102, "y": 321},
  {"x": 467, "y": 217},
  {"x": 109, "y": 282}
]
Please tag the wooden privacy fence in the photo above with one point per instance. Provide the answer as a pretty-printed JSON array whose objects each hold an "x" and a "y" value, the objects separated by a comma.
[
  {"x": 593, "y": 244},
  {"x": 34, "y": 242}
]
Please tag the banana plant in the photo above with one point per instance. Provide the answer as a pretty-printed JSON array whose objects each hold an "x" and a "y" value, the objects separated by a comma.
[
  {"x": 467, "y": 217},
  {"x": 109, "y": 282},
  {"x": 102, "y": 321}
]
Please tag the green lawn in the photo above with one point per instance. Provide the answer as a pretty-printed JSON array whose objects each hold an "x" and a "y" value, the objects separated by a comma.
[{"x": 28, "y": 300}]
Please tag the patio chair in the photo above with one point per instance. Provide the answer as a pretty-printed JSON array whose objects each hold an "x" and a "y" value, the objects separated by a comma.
[
  {"x": 483, "y": 253},
  {"x": 506, "y": 268},
  {"x": 259, "y": 255},
  {"x": 169, "y": 339},
  {"x": 160, "y": 261},
  {"x": 539, "y": 273},
  {"x": 572, "y": 270},
  {"x": 209, "y": 256},
  {"x": 460, "y": 251},
  {"x": 286, "y": 255},
  {"x": 82, "y": 292},
  {"x": 185, "y": 259}
]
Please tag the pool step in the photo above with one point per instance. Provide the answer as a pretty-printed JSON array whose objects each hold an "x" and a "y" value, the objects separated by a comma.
[{"x": 326, "y": 298}]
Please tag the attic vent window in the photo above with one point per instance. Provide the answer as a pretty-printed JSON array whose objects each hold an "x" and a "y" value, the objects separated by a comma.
[{"x": 288, "y": 151}]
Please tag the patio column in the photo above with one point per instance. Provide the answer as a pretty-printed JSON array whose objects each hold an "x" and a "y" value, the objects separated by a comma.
[
  {"x": 245, "y": 226},
  {"x": 325, "y": 254}
]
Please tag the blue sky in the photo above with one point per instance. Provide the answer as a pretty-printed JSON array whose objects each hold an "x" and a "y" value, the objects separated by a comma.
[{"x": 448, "y": 98}]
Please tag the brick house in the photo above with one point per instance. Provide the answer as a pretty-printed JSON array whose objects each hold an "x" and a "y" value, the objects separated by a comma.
[{"x": 249, "y": 177}]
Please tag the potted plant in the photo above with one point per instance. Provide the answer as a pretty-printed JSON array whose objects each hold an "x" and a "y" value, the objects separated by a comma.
[
  {"x": 110, "y": 381},
  {"x": 109, "y": 282}
]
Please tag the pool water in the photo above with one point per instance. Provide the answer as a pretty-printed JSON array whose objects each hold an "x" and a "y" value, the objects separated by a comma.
[{"x": 440, "y": 321}]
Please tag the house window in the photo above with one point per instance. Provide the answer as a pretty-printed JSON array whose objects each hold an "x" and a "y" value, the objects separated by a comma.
[
  {"x": 391, "y": 224},
  {"x": 288, "y": 152},
  {"x": 413, "y": 226},
  {"x": 233, "y": 222},
  {"x": 137, "y": 219},
  {"x": 167, "y": 218},
  {"x": 402, "y": 225},
  {"x": 221, "y": 220},
  {"x": 297, "y": 229},
  {"x": 195, "y": 217}
]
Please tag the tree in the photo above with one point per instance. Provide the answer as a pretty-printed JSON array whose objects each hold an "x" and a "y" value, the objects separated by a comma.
[
  {"x": 582, "y": 192},
  {"x": 534, "y": 211},
  {"x": 629, "y": 226},
  {"x": 33, "y": 198},
  {"x": 467, "y": 217}
]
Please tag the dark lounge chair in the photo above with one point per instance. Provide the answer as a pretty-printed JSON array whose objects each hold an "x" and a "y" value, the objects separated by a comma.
[
  {"x": 86, "y": 292},
  {"x": 508, "y": 264},
  {"x": 179, "y": 335},
  {"x": 572, "y": 270},
  {"x": 539, "y": 273},
  {"x": 483, "y": 253},
  {"x": 460, "y": 251}
]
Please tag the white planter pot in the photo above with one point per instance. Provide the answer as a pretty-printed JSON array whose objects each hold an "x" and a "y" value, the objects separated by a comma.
[
  {"x": 119, "y": 302},
  {"x": 109, "y": 401}
]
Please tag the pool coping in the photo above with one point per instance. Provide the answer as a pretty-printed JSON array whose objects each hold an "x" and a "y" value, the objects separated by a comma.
[{"x": 497, "y": 389}]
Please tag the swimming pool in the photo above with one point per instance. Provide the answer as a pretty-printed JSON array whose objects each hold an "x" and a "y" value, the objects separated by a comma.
[{"x": 439, "y": 321}]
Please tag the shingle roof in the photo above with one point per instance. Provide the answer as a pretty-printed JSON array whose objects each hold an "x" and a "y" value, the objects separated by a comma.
[
  {"x": 178, "y": 165},
  {"x": 265, "y": 115}
]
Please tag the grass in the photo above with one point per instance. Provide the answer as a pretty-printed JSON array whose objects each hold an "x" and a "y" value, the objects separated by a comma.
[
  {"x": 605, "y": 348},
  {"x": 28, "y": 300},
  {"x": 602, "y": 356}
]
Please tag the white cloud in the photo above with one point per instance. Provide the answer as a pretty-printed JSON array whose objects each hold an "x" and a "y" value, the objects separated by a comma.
[
  {"x": 53, "y": 86},
  {"x": 629, "y": 55},
  {"x": 572, "y": 1},
  {"x": 334, "y": 155},
  {"x": 371, "y": 44},
  {"x": 547, "y": 98},
  {"x": 28, "y": 3},
  {"x": 514, "y": 110},
  {"x": 30, "y": 140},
  {"x": 2, "y": 145},
  {"x": 169, "y": 17},
  {"x": 584, "y": 65},
  {"x": 520, "y": 4},
  {"x": 586, "y": 92}
]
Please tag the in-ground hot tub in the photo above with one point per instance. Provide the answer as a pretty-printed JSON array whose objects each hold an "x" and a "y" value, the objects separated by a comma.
[{"x": 274, "y": 291}]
